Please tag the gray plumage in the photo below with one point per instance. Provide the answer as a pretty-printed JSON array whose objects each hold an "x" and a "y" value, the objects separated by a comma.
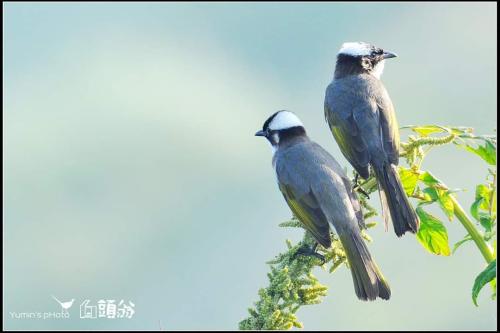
[
  {"x": 361, "y": 116},
  {"x": 310, "y": 175},
  {"x": 320, "y": 194},
  {"x": 361, "y": 107}
]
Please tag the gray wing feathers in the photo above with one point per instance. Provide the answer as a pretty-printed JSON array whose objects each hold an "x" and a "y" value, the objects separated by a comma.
[
  {"x": 336, "y": 204},
  {"x": 326, "y": 181},
  {"x": 313, "y": 180},
  {"x": 362, "y": 106},
  {"x": 389, "y": 126},
  {"x": 339, "y": 113}
]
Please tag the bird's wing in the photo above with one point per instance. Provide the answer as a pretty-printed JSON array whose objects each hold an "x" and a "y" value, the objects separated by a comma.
[
  {"x": 361, "y": 118},
  {"x": 353, "y": 198},
  {"x": 389, "y": 125},
  {"x": 300, "y": 197},
  {"x": 339, "y": 114},
  {"x": 341, "y": 183},
  {"x": 318, "y": 202},
  {"x": 308, "y": 211}
]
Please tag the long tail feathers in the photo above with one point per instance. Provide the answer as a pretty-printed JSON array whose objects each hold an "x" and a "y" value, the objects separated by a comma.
[
  {"x": 395, "y": 203},
  {"x": 369, "y": 283}
]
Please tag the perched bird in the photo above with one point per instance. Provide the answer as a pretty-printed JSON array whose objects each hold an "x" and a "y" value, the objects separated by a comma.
[
  {"x": 361, "y": 116},
  {"x": 320, "y": 194}
]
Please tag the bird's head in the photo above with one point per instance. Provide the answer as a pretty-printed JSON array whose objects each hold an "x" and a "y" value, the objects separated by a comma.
[
  {"x": 281, "y": 126},
  {"x": 359, "y": 57}
]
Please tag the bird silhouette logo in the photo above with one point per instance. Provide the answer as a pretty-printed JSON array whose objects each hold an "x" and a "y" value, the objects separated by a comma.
[{"x": 64, "y": 305}]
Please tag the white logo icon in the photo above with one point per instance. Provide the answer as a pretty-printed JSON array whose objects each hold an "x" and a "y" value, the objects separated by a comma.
[{"x": 64, "y": 305}]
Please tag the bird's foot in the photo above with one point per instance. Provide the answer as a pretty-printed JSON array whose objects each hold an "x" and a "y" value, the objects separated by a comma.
[
  {"x": 310, "y": 252},
  {"x": 357, "y": 186},
  {"x": 360, "y": 190}
]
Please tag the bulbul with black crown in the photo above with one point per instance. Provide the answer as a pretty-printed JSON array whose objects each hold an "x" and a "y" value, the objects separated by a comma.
[
  {"x": 320, "y": 195},
  {"x": 361, "y": 116}
]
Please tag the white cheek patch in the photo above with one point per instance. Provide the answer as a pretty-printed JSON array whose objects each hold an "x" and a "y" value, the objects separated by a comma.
[
  {"x": 276, "y": 140},
  {"x": 378, "y": 69},
  {"x": 356, "y": 49},
  {"x": 284, "y": 120}
]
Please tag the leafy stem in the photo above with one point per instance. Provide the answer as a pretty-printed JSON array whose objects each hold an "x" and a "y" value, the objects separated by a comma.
[
  {"x": 481, "y": 244},
  {"x": 415, "y": 143}
]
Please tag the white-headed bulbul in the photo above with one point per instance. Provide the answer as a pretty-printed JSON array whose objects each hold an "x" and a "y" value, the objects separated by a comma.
[
  {"x": 320, "y": 194},
  {"x": 361, "y": 116}
]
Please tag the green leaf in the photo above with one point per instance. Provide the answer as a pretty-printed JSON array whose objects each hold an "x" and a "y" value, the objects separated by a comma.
[
  {"x": 488, "y": 152},
  {"x": 464, "y": 131},
  {"x": 474, "y": 209},
  {"x": 336, "y": 265},
  {"x": 446, "y": 204},
  {"x": 488, "y": 235},
  {"x": 493, "y": 284},
  {"x": 426, "y": 130},
  {"x": 481, "y": 216},
  {"x": 432, "y": 234},
  {"x": 430, "y": 194},
  {"x": 370, "y": 224},
  {"x": 493, "y": 205},
  {"x": 437, "y": 191},
  {"x": 483, "y": 191},
  {"x": 485, "y": 221},
  {"x": 464, "y": 240},
  {"x": 480, "y": 209},
  {"x": 430, "y": 180},
  {"x": 409, "y": 179},
  {"x": 483, "y": 278}
]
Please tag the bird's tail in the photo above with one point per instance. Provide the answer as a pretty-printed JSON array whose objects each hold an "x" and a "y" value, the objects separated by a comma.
[
  {"x": 395, "y": 203},
  {"x": 369, "y": 283}
]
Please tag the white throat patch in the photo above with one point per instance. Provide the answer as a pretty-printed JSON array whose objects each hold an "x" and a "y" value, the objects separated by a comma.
[
  {"x": 378, "y": 69},
  {"x": 356, "y": 49},
  {"x": 284, "y": 120}
]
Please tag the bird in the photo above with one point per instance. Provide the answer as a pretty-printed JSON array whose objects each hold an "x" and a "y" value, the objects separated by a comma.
[
  {"x": 64, "y": 305},
  {"x": 320, "y": 195},
  {"x": 361, "y": 117}
]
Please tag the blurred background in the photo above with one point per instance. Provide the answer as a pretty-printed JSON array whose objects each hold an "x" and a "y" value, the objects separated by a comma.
[{"x": 132, "y": 172}]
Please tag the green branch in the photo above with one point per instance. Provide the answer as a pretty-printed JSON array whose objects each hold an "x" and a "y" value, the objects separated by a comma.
[
  {"x": 292, "y": 284},
  {"x": 429, "y": 141},
  {"x": 481, "y": 244}
]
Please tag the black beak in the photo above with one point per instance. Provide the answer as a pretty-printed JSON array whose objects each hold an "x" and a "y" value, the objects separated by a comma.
[
  {"x": 260, "y": 133},
  {"x": 388, "y": 55}
]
